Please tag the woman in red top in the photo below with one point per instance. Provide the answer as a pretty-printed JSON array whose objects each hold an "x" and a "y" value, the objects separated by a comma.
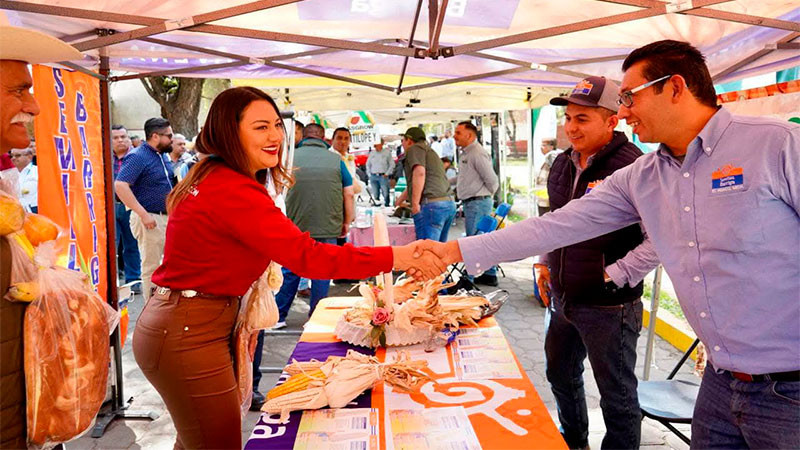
[{"x": 223, "y": 231}]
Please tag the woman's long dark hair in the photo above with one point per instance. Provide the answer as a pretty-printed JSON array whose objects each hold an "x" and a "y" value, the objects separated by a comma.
[{"x": 220, "y": 137}]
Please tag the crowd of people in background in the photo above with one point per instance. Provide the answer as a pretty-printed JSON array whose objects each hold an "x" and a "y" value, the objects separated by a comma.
[{"x": 321, "y": 202}]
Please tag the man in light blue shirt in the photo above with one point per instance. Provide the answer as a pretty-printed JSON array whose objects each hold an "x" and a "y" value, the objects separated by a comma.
[
  {"x": 380, "y": 165},
  {"x": 720, "y": 200}
]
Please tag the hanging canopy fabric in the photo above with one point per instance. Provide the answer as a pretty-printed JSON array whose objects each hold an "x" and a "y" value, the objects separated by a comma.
[{"x": 500, "y": 44}]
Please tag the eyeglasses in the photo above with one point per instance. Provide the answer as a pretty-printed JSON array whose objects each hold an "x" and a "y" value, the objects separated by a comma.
[
  {"x": 167, "y": 135},
  {"x": 626, "y": 98}
]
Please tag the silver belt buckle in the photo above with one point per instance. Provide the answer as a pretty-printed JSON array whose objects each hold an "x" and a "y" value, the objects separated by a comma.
[
  {"x": 162, "y": 291},
  {"x": 189, "y": 293}
]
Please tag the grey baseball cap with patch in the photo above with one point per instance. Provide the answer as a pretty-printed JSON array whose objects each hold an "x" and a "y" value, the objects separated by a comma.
[{"x": 592, "y": 91}]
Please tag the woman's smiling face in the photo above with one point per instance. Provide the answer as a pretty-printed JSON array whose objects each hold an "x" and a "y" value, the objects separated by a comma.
[{"x": 261, "y": 134}]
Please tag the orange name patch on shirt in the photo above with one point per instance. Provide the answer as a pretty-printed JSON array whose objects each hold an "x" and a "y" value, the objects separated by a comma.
[{"x": 727, "y": 178}]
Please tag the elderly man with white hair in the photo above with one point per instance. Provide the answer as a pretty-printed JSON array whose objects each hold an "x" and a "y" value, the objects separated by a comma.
[{"x": 18, "y": 48}]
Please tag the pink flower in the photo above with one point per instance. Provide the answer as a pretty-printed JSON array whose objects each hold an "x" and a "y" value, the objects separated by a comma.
[{"x": 381, "y": 316}]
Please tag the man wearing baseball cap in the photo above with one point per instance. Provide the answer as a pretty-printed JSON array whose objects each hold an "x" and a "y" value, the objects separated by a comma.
[
  {"x": 432, "y": 208},
  {"x": 18, "y": 48},
  {"x": 595, "y": 286}
]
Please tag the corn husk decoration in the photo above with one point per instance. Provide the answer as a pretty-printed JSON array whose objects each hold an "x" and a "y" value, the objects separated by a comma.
[
  {"x": 339, "y": 380},
  {"x": 417, "y": 312}
]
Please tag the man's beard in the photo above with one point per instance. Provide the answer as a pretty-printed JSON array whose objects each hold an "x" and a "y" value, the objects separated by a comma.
[{"x": 166, "y": 149}]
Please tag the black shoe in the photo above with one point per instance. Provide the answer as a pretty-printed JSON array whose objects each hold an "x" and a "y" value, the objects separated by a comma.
[
  {"x": 463, "y": 283},
  {"x": 486, "y": 280},
  {"x": 258, "y": 401}
]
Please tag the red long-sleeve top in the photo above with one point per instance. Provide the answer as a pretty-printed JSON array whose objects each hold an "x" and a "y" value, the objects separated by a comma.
[{"x": 222, "y": 236}]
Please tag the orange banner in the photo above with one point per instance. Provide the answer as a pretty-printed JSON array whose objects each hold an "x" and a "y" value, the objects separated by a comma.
[{"x": 69, "y": 153}]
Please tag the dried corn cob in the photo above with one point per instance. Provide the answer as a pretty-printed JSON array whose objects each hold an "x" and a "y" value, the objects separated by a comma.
[
  {"x": 302, "y": 366},
  {"x": 311, "y": 398},
  {"x": 297, "y": 382}
]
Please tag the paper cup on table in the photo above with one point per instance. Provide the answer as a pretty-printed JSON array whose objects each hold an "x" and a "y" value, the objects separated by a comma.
[{"x": 381, "y": 237}]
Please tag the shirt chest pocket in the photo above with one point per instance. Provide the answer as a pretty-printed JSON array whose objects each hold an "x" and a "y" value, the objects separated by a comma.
[{"x": 731, "y": 221}]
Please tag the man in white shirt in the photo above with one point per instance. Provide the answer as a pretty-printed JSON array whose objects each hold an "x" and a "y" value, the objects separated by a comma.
[
  {"x": 28, "y": 178},
  {"x": 448, "y": 146},
  {"x": 436, "y": 146}
]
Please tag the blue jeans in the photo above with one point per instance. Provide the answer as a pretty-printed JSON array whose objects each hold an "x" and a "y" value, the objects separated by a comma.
[
  {"x": 434, "y": 219},
  {"x": 473, "y": 211},
  {"x": 607, "y": 334},
  {"x": 126, "y": 244},
  {"x": 379, "y": 182},
  {"x": 257, "y": 360},
  {"x": 734, "y": 414},
  {"x": 285, "y": 297}
]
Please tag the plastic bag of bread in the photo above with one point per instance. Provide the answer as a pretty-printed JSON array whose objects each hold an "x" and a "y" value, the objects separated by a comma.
[
  {"x": 36, "y": 229},
  {"x": 258, "y": 311},
  {"x": 66, "y": 342}
]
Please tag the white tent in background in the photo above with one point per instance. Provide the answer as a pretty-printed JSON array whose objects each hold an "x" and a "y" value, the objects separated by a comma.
[{"x": 413, "y": 48}]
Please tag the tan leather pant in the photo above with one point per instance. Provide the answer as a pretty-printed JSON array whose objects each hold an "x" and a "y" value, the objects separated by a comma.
[{"x": 183, "y": 346}]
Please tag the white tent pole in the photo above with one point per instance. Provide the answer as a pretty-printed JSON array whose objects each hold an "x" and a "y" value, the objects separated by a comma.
[
  {"x": 651, "y": 327},
  {"x": 530, "y": 160}
]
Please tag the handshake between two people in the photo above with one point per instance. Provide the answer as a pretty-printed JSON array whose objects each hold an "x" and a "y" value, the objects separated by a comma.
[{"x": 426, "y": 259}]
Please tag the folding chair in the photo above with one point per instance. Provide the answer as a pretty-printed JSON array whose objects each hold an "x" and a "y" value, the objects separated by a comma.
[
  {"x": 501, "y": 213},
  {"x": 670, "y": 401},
  {"x": 486, "y": 224}
]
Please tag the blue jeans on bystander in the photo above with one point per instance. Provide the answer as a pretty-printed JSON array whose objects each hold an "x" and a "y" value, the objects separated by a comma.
[
  {"x": 379, "y": 186},
  {"x": 127, "y": 245},
  {"x": 434, "y": 219},
  {"x": 607, "y": 334},
  {"x": 473, "y": 211}
]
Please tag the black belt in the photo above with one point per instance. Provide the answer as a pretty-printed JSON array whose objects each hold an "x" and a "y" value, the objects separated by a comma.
[
  {"x": 480, "y": 197},
  {"x": 792, "y": 375},
  {"x": 162, "y": 213}
]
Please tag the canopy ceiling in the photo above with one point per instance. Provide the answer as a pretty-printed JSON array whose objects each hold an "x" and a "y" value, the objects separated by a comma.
[{"x": 509, "y": 45}]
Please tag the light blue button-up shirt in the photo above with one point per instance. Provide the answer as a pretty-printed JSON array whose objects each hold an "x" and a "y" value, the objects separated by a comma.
[{"x": 725, "y": 224}]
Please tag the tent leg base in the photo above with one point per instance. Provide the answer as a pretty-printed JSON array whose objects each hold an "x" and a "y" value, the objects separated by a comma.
[{"x": 108, "y": 415}]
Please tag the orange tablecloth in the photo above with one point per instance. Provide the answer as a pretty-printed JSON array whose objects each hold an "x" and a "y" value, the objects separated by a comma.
[{"x": 505, "y": 413}]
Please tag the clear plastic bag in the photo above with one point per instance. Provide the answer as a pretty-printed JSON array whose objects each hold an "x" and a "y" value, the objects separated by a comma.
[
  {"x": 12, "y": 214},
  {"x": 36, "y": 229},
  {"x": 66, "y": 346},
  {"x": 258, "y": 311}
]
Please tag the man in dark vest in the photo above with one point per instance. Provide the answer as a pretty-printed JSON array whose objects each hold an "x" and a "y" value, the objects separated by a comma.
[
  {"x": 316, "y": 204},
  {"x": 595, "y": 286}
]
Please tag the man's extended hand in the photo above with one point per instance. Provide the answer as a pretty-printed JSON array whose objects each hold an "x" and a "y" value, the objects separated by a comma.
[
  {"x": 543, "y": 281},
  {"x": 417, "y": 262}
]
